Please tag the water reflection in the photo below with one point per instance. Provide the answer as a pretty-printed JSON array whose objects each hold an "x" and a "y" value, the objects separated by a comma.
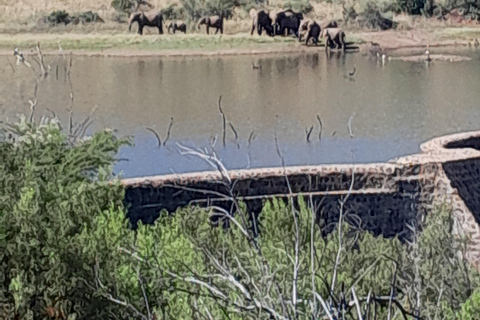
[{"x": 397, "y": 105}]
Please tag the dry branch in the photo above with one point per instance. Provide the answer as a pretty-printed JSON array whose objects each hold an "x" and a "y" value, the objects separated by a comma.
[
  {"x": 308, "y": 133},
  {"x": 224, "y": 120},
  {"x": 168, "y": 131},
  {"x": 156, "y": 135},
  {"x": 320, "y": 128}
]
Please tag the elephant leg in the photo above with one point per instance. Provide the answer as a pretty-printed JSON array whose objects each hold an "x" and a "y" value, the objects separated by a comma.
[
  {"x": 208, "y": 29},
  {"x": 140, "y": 29},
  {"x": 218, "y": 29},
  {"x": 253, "y": 29}
]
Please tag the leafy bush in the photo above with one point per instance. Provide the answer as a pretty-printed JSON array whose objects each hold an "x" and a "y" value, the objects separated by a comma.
[
  {"x": 51, "y": 188},
  {"x": 66, "y": 248}
]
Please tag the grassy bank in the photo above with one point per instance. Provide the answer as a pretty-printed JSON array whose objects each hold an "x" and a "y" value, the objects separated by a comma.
[{"x": 133, "y": 44}]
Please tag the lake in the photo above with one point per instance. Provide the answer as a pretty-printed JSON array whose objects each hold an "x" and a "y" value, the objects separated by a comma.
[{"x": 392, "y": 107}]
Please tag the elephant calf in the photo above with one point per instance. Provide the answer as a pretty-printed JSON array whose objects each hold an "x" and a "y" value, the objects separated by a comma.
[
  {"x": 334, "y": 36},
  {"x": 312, "y": 31},
  {"x": 149, "y": 19},
  {"x": 261, "y": 21},
  {"x": 177, "y": 25},
  {"x": 212, "y": 22}
]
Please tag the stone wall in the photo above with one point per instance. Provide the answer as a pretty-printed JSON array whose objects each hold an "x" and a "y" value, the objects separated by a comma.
[{"x": 383, "y": 199}]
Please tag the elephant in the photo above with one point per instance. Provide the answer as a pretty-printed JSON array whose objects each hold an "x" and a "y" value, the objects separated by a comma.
[
  {"x": 261, "y": 20},
  {"x": 328, "y": 24},
  {"x": 149, "y": 19},
  {"x": 312, "y": 30},
  {"x": 212, "y": 22},
  {"x": 289, "y": 20},
  {"x": 274, "y": 15},
  {"x": 334, "y": 36},
  {"x": 177, "y": 25}
]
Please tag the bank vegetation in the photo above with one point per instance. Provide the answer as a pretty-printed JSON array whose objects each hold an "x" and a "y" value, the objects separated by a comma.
[{"x": 67, "y": 250}]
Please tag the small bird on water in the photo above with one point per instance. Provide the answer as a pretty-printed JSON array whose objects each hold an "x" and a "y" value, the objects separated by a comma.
[
  {"x": 20, "y": 57},
  {"x": 351, "y": 73},
  {"x": 428, "y": 53},
  {"x": 476, "y": 43}
]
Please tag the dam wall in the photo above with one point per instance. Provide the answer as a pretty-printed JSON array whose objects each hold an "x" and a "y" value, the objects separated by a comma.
[{"x": 383, "y": 198}]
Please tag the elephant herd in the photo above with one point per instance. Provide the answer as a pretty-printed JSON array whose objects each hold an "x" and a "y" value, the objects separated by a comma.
[
  {"x": 274, "y": 23},
  {"x": 287, "y": 21},
  {"x": 155, "y": 19}
]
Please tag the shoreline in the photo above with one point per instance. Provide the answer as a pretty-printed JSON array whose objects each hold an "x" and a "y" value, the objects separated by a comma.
[{"x": 199, "y": 45}]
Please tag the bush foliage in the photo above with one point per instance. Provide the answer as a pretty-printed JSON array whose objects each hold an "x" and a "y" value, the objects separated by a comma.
[{"x": 66, "y": 248}]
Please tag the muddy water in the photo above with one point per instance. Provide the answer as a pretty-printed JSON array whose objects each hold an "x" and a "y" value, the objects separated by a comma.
[{"x": 393, "y": 107}]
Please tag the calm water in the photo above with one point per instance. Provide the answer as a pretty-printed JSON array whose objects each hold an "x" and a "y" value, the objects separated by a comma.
[{"x": 395, "y": 106}]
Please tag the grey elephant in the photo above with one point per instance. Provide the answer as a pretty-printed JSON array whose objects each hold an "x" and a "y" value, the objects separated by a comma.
[
  {"x": 212, "y": 22},
  {"x": 311, "y": 29},
  {"x": 288, "y": 20},
  {"x": 177, "y": 25},
  {"x": 334, "y": 36},
  {"x": 149, "y": 19},
  {"x": 274, "y": 15},
  {"x": 328, "y": 24},
  {"x": 261, "y": 21}
]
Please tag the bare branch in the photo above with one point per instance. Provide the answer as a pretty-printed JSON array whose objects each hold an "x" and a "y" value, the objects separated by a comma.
[
  {"x": 251, "y": 137},
  {"x": 224, "y": 120},
  {"x": 144, "y": 293},
  {"x": 156, "y": 135},
  {"x": 42, "y": 62},
  {"x": 357, "y": 304},
  {"x": 168, "y": 131},
  {"x": 308, "y": 133},
  {"x": 350, "y": 125},
  {"x": 320, "y": 128}
]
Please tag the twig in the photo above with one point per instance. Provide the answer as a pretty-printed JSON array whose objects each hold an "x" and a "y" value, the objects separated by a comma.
[
  {"x": 53, "y": 113},
  {"x": 308, "y": 133},
  {"x": 350, "y": 125},
  {"x": 392, "y": 291},
  {"x": 340, "y": 222},
  {"x": 32, "y": 108},
  {"x": 251, "y": 137},
  {"x": 312, "y": 254},
  {"x": 42, "y": 62},
  {"x": 439, "y": 298},
  {"x": 168, "y": 131},
  {"x": 321, "y": 127},
  {"x": 156, "y": 135},
  {"x": 224, "y": 120},
  {"x": 144, "y": 293},
  {"x": 357, "y": 304}
]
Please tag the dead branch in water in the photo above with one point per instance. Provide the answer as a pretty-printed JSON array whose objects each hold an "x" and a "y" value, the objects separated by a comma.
[
  {"x": 70, "y": 121},
  {"x": 321, "y": 127},
  {"x": 308, "y": 133},
  {"x": 233, "y": 129},
  {"x": 42, "y": 62},
  {"x": 156, "y": 135},
  {"x": 224, "y": 119},
  {"x": 168, "y": 131},
  {"x": 251, "y": 137},
  {"x": 350, "y": 132}
]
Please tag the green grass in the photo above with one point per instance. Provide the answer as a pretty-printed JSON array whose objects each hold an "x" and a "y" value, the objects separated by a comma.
[
  {"x": 146, "y": 42},
  {"x": 124, "y": 41}
]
